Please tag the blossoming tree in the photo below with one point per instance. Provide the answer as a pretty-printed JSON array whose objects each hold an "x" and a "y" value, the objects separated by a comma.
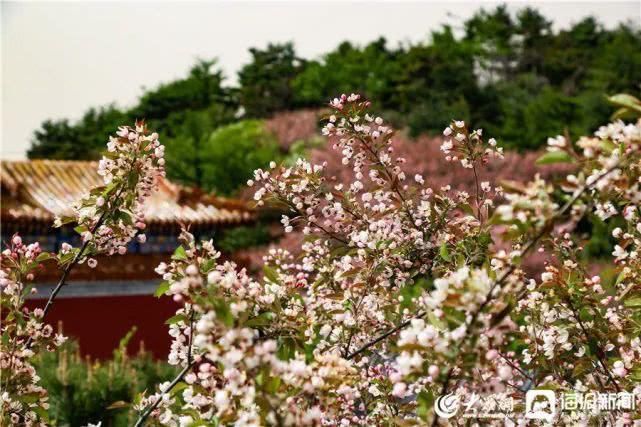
[
  {"x": 403, "y": 293},
  {"x": 107, "y": 219}
]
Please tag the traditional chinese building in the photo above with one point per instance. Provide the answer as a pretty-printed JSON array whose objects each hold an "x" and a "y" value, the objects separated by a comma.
[{"x": 99, "y": 306}]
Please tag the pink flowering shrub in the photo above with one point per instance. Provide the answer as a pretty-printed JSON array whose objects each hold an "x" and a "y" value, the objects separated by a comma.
[
  {"x": 399, "y": 296},
  {"x": 422, "y": 156},
  {"x": 292, "y": 126},
  {"x": 108, "y": 218}
]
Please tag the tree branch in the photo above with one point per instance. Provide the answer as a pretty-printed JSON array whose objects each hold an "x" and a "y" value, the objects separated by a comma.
[{"x": 173, "y": 384}]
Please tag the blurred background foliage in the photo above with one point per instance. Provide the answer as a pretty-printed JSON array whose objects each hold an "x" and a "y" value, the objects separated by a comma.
[
  {"x": 510, "y": 74},
  {"x": 219, "y": 159},
  {"x": 83, "y": 391}
]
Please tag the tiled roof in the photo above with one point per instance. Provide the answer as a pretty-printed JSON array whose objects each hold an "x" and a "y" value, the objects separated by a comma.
[{"x": 42, "y": 189}]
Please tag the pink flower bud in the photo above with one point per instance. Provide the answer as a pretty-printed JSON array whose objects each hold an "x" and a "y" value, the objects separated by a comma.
[
  {"x": 433, "y": 371},
  {"x": 491, "y": 354},
  {"x": 505, "y": 372}
]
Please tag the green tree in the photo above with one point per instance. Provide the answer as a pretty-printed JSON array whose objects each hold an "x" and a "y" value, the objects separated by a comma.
[
  {"x": 570, "y": 54},
  {"x": 493, "y": 34},
  {"x": 370, "y": 70},
  {"x": 265, "y": 83},
  {"x": 234, "y": 151},
  {"x": 58, "y": 140},
  {"x": 435, "y": 82},
  {"x": 186, "y": 151},
  {"x": 201, "y": 88},
  {"x": 534, "y": 31},
  {"x": 533, "y": 114},
  {"x": 97, "y": 123}
]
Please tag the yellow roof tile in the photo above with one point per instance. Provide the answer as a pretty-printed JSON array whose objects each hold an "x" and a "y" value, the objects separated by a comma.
[{"x": 42, "y": 189}]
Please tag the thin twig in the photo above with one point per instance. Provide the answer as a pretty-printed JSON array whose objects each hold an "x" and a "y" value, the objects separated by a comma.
[
  {"x": 478, "y": 193},
  {"x": 599, "y": 351},
  {"x": 76, "y": 259},
  {"x": 383, "y": 336},
  {"x": 63, "y": 278},
  {"x": 173, "y": 384},
  {"x": 191, "y": 335}
]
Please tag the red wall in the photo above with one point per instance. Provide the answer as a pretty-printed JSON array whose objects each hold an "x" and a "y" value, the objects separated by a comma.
[{"x": 98, "y": 323}]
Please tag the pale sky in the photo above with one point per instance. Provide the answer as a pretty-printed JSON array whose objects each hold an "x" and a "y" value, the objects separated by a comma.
[{"x": 60, "y": 58}]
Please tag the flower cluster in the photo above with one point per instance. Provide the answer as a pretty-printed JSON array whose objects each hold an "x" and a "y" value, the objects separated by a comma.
[
  {"x": 24, "y": 334},
  {"x": 403, "y": 292},
  {"x": 459, "y": 144},
  {"x": 112, "y": 215}
]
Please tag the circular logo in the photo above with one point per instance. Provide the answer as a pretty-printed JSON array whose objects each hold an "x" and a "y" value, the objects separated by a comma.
[{"x": 447, "y": 406}]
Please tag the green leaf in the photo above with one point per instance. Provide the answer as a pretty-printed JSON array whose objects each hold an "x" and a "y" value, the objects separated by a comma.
[
  {"x": 271, "y": 384},
  {"x": 554, "y": 157},
  {"x": 263, "y": 319},
  {"x": 118, "y": 405},
  {"x": 30, "y": 397},
  {"x": 43, "y": 257},
  {"x": 425, "y": 401},
  {"x": 431, "y": 317},
  {"x": 63, "y": 259},
  {"x": 132, "y": 179},
  {"x": 444, "y": 253},
  {"x": 626, "y": 101},
  {"x": 179, "y": 254},
  {"x": 270, "y": 274},
  {"x": 178, "y": 388},
  {"x": 465, "y": 207},
  {"x": 65, "y": 220},
  {"x": 629, "y": 106},
  {"x": 607, "y": 145},
  {"x": 622, "y": 113},
  {"x": 620, "y": 278},
  {"x": 97, "y": 190},
  {"x": 161, "y": 289},
  {"x": 633, "y": 301},
  {"x": 585, "y": 315},
  {"x": 125, "y": 217},
  {"x": 287, "y": 348},
  {"x": 207, "y": 265},
  {"x": 41, "y": 412},
  {"x": 223, "y": 312},
  {"x": 175, "y": 319}
]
